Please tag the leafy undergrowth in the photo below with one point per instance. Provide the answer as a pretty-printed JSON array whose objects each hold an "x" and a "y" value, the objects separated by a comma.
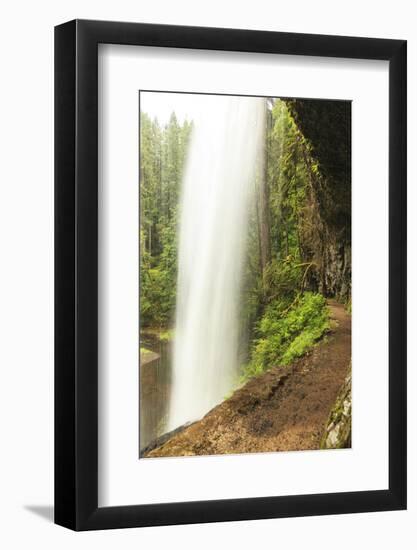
[
  {"x": 166, "y": 335},
  {"x": 286, "y": 334}
]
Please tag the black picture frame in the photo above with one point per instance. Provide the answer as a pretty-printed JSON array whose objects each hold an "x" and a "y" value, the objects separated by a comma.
[{"x": 76, "y": 272}]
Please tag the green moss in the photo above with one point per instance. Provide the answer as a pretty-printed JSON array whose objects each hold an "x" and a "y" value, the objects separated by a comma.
[
  {"x": 286, "y": 335},
  {"x": 145, "y": 351},
  {"x": 348, "y": 306}
]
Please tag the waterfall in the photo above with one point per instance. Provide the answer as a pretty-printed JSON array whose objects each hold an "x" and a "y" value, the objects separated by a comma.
[{"x": 218, "y": 184}]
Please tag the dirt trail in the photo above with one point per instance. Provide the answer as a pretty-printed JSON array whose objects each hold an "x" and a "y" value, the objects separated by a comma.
[{"x": 283, "y": 409}]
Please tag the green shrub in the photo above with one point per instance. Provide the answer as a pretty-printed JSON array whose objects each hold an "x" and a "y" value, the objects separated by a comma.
[{"x": 285, "y": 335}]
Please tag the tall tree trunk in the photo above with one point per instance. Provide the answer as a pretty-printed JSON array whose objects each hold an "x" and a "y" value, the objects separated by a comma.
[{"x": 264, "y": 217}]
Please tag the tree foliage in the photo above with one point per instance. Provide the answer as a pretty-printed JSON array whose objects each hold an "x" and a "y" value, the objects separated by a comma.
[{"x": 162, "y": 158}]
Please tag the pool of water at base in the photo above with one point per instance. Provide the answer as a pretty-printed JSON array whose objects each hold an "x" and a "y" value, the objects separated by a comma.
[{"x": 154, "y": 388}]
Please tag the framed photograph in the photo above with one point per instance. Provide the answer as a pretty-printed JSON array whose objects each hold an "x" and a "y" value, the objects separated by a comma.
[{"x": 230, "y": 255}]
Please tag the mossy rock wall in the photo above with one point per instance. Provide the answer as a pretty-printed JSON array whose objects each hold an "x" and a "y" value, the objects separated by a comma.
[
  {"x": 338, "y": 431},
  {"x": 326, "y": 127}
]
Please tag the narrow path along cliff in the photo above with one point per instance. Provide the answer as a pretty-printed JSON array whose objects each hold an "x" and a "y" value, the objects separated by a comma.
[{"x": 284, "y": 409}]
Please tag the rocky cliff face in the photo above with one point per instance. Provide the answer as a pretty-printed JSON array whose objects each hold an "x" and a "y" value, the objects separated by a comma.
[
  {"x": 326, "y": 231},
  {"x": 338, "y": 431}
]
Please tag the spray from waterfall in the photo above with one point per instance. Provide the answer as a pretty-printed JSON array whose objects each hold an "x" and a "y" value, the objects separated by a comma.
[{"x": 224, "y": 156}]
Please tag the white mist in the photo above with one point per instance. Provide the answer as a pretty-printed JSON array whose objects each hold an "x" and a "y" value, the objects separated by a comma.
[{"x": 219, "y": 181}]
